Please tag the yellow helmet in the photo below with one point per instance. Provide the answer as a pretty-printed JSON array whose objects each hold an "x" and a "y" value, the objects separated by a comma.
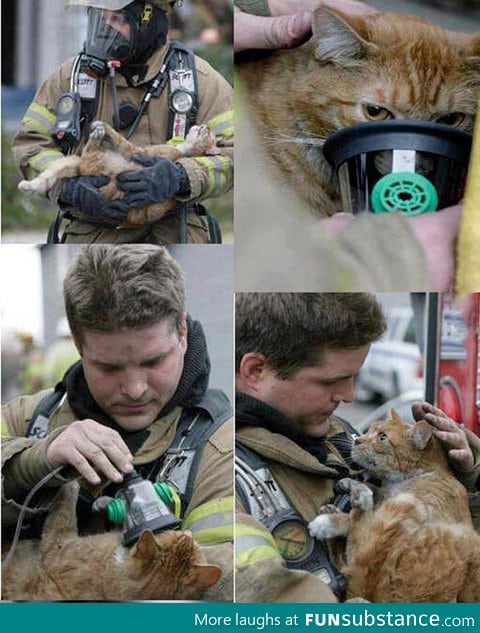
[{"x": 116, "y": 5}]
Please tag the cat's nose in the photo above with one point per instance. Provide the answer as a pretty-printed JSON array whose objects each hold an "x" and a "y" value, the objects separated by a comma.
[{"x": 357, "y": 439}]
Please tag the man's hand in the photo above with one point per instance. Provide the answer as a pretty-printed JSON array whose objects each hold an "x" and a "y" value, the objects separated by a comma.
[
  {"x": 448, "y": 432},
  {"x": 85, "y": 445},
  {"x": 437, "y": 233},
  {"x": 160, "y": 180},
  {"x": 81, "y": 192},
  {"x": 290, "y": 25}
]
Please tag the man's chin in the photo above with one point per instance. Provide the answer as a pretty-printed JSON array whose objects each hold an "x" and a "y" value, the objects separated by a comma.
[
  {"x": 319, "y": 428},
  {"x": 133, "y": 421}
]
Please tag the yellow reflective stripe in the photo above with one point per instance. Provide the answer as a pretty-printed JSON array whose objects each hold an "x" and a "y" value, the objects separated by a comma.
[
  {"x": 212, "y": 522},
  {"x": 40, "y": 118},
  {"x": 468, "y": 256},
  {"x": 5, "y": 429},
  {"x": 253, "y": 545},
  {"x": 217, "y": 170},
  {"x": 222, "y": 124},
  {"x": 43, "y": 159}
]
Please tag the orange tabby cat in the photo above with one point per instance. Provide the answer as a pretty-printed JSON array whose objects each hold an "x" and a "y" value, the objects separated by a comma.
[
  {"x": 64, "y": 566},
  {"x": 355, "y": 69},
  {"x": 418, "y": 545},
  {"x": 108, "y": 152}
]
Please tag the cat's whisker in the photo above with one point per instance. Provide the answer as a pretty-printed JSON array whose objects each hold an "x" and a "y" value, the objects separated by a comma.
[{"x": 319, "y": 142}]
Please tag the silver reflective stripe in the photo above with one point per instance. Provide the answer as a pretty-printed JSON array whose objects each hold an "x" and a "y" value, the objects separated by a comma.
[
  {"x": 217, "y": 519},
  {"x": 219, "y": 176},
  {"x": 220, "y": 127},
  {"x": 249, "y": 541}
]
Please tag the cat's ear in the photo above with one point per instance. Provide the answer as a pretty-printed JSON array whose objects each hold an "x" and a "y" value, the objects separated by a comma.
[
  {"x": 340, "y": 38},
  {"x": 208, "y": 574},
  {"x": 421, "y": 434},
  {"x": 393, "y": 416},
  {"x": 146, "y": 548}
]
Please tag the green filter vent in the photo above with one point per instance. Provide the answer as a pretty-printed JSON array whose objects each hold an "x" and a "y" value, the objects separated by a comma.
[{"x": 404, "y": 191}]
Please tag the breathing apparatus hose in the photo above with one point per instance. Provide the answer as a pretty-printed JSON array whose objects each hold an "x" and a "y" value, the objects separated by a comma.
[
  {"x": 468, "y": 245},
  {"x": 21, "y": 516}
]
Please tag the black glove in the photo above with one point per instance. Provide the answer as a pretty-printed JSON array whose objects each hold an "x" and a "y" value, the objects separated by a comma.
[
  {"x": 82, "y": 193},
  {"x": 160, "y": 180}
]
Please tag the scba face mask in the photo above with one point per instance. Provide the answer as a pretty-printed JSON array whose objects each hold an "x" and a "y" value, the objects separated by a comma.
[
  {"x": 399, "y": 166},
  {"x": 128, "y": 36}
]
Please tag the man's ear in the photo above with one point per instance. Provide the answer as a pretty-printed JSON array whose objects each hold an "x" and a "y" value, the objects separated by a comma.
[
  {"x": 252, "y": 369},
  {"x": 77, "y": 343},
  {"x": 183, "y": 330}
]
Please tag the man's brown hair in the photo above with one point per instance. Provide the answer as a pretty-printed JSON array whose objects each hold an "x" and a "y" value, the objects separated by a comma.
[
  {"x": 123, "y": 287},
  {"x": 294, "y": 330}
]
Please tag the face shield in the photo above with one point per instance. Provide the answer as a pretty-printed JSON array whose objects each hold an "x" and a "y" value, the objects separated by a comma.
[
  {"x": 403, "y": 165},
  {"x": 128, "y": 36}
]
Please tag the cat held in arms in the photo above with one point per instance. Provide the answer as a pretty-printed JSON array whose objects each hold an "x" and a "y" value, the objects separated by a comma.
[
  {"x": 354, "y": 69},
  {"x": 418, "y": 543},
  {"x": 64, "y": 566},
  {"x": 108, "y": 152}
]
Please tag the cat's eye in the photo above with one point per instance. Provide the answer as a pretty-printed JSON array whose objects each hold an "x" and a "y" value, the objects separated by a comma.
[
  {"x": 455, "y": 119},
  {"x": 383, "y": 437},
  {"x": 375, "y": 112}
]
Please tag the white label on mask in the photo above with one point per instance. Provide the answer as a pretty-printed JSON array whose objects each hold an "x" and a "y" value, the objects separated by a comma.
[
  {"x": 87, "y": 86},
  {"x": 403, "y": 160}
]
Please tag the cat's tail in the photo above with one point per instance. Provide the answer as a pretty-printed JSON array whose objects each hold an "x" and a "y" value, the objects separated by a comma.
[{"x": 65, "y": 167}]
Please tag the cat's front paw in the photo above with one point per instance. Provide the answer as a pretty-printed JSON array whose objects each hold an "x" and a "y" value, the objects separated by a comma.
[
  {"x": 344, "y": 486},
  {"x": 32, "y": 187},
  {"x": 330, "y": 508},
  {"x": 200, "y": 140},
  {"x": 361, "y": 497},
  {"x": 323, "y": 527}
]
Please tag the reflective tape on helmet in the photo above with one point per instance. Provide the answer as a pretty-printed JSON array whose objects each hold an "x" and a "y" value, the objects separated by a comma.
[
  {"x": 218, "y": 174},
  {"x": 222, "y": 124},
  {"x": 211, "y": 522},
  {"x": 43, "y": 159},
  {"x": 253, "y": 545},
  {"x": 39, "y": 118}
]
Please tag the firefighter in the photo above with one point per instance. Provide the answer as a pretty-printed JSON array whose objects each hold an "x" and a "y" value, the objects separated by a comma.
[
  {"x": 138, "y": 397},
  {"x": 296, "y": 357},
  {"x": 152, "y": 90}
]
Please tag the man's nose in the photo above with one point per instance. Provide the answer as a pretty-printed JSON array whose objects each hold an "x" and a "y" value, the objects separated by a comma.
[
  {"x": 134, "y": 385},
  {"x": 344, "y": 391}
]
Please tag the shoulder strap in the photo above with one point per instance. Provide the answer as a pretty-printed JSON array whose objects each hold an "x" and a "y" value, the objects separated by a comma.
[
  {"x": 197, "y": 424},
  {"x": 38, "y": 425},
  {"x": 182, "y": 77}
]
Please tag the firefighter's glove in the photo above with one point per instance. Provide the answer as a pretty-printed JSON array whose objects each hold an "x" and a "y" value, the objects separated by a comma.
[
  {"x": 159, "y": 180},
  {"x": 81, "y": 193}
]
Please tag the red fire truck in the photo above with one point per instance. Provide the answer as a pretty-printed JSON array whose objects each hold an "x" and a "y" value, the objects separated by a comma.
[{"x": 452, "y": 372}]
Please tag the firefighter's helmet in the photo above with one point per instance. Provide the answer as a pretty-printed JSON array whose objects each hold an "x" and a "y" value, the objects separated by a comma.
[{"x": 116, "y": 5}]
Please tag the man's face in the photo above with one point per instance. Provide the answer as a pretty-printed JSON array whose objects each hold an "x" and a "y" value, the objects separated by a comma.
[
  {"x": 117, "y": 21},
  {"x": 132, "y": 374},
  {"x": 313, "y": 393}
]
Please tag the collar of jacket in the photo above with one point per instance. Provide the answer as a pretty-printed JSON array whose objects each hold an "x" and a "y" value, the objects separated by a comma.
[{"x": 278, "y": 448}]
